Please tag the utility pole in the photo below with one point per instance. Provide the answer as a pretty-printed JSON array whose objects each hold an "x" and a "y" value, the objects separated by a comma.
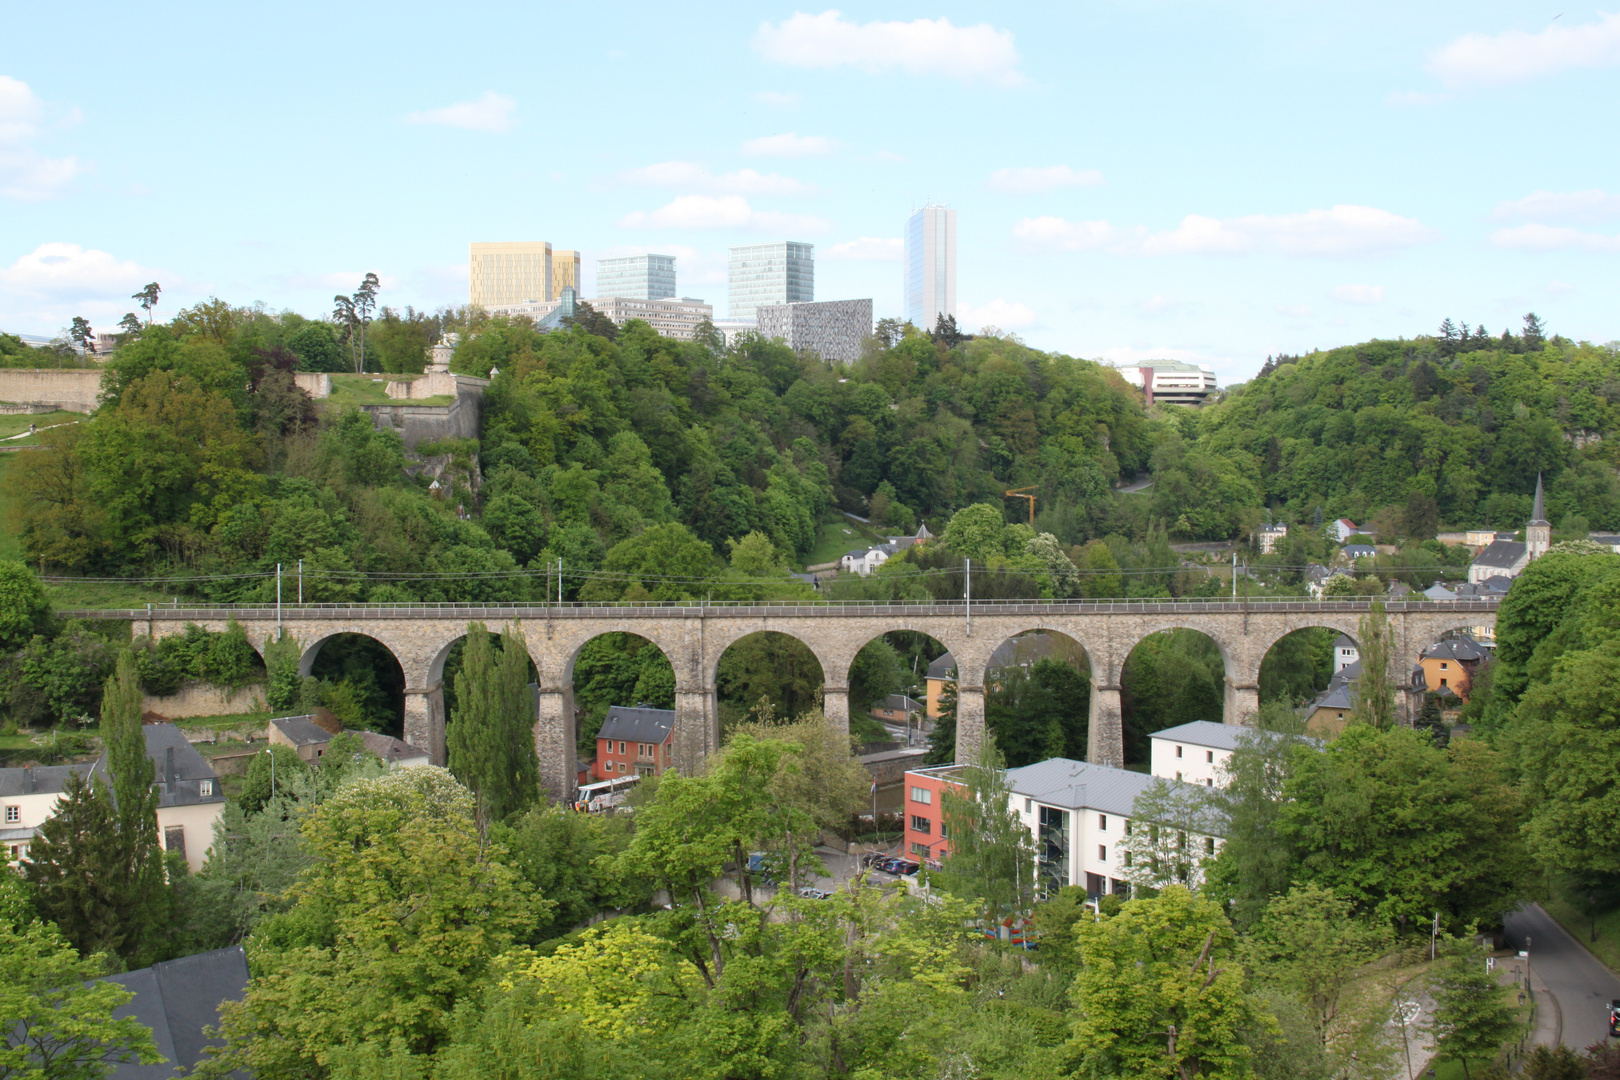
[
  {"x": 967, "y": 608},
  {"x": 300, "y": 582},
  {"x": 278, "y": 599}
]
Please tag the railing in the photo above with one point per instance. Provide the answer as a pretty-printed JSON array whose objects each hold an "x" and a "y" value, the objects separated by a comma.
[{"x": 776, "y": 609}]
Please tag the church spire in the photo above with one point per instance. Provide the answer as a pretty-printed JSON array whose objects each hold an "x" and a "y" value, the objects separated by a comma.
[
  {"x": 1538, "y": 514},
  {"x": 1537, "y": 532}
]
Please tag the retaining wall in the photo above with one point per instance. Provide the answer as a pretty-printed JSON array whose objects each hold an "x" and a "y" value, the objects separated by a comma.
[
  {"x": 71, "y": 389},
  {"x": 205, "y": 699}
]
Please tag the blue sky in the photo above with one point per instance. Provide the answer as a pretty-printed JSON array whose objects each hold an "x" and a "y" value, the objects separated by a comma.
[{"x": 1202, "y": 181}]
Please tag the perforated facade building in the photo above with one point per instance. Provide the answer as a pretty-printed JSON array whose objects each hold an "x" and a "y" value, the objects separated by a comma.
[{"x": 832, "y": 329}]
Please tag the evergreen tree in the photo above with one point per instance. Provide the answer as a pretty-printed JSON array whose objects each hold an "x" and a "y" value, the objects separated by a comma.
[
  {"x": 1375, "y": 696},
  {"x": 942, "y": 740},
  {"x": 78, "y": 866},
  {"x": 1472, "y": 1014},
  {"x": 491, "y": 736},
  {"x": 135, "y": 796},
  {"x": 1534, "y": 336}
]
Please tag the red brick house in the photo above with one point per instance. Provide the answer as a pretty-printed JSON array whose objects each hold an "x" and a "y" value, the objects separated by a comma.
[
  {"x": 925, "y": 838},
  {"x": 635, "y": 742}
]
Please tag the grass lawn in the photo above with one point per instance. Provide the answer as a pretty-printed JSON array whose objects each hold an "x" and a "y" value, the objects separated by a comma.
[
  {"x": 17, "y": 423},
  {"x": 838, "y": 535},
  {"x": 370, "y": 389},
  {"x": 1571, "y": 917},
  {"x": 23, "y": 740},
  {"x": 254, "y": 720},
  {"x": 10, "y": 546}
]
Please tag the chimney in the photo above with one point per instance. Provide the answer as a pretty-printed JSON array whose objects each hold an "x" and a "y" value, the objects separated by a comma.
[{"x": 168, "y": 765}]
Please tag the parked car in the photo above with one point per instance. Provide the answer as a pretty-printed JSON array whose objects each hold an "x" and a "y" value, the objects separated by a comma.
[
  {"x": 757, "y": 864},
  {"x": 1614, "y": 1019},
  {"x": 906, "y": 868},
  {"x": 890, "y": 866},
  {"x": 809, "y": 892},
  {"x": 872, "y": 858}
]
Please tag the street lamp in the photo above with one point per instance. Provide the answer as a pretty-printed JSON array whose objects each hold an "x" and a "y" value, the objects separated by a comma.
[{"x": 272, "y": 772}]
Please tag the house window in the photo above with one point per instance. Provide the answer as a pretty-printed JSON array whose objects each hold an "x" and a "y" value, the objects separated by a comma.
[
  {"x": 1178, "y": 751},
  {"x": 174, "y": 838},
  {"x": 918, "y": 848},
  {"x": 944, "y": 830},
  {"x": 1209, "y": 781},
  {"x": 621, "y": 747},
  {"x": 1442, "y": 682},
  {"x": 1029, "y": 805},
  {"x": 922, "y": 825},
  {"x": 1209, "y": 756},
  {"x": 205, "y": 787},
  {"x": 1209, "y": 845},
  {"x": 1442, "y": 665},
  {"x": 1102, "y": 822},
  {"x": 1102, "y": 852},
  {"x": 621, "y": 766},
  {"x": 922, "y": 795},
  {"x": 13, "y": 814}
]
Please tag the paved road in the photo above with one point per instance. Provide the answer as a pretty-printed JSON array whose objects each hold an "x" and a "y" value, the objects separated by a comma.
[{"x": 1582, "y": 986}]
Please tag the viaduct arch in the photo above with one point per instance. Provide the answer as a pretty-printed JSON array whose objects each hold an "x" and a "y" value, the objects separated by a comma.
[{"x": 694, "y": 636}]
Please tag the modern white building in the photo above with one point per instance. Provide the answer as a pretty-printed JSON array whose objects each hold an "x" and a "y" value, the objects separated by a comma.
[
  {"x": 779, "y": 273},
  {"x": 673, "y": 318},
  {"x": 930, "y": 268},
  {"x": 1170, "y": 382},
  {"x": 1195, "y": 753},
  {"x": 1345, "y": 653},
  {"x": 734, "y": 329},
  {"x": 832, "y": 329},
  {"x": 636, "y": 277}
]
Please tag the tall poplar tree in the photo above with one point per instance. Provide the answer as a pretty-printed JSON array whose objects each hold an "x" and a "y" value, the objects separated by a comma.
[
  {"x": 991, "y": 858},
  {"x": 1375, "y": 695},
  {"x": 135, "y": 797},
  {"x": 491, "y": 736}
]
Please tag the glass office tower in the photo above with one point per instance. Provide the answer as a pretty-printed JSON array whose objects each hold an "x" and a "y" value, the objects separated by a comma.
[
  {"x": 637, "y": 277},
  {"x": 930, "y": 269},
  {"x": 780, "y": 273}
]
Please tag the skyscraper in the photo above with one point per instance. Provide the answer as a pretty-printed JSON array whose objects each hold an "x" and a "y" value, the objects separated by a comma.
[
  {"x": 780, "y": 273},
  {"x": 510, "y": 273},
  {"x": 636, "y": 277},
  {"x": 930, "y": 271},
  {"x": 564, "y": 272}
]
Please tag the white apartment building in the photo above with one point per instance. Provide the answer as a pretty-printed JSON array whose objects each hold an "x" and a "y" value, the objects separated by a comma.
[
  {"x": 929, "y": 275},
  {"x": 1169, "y": 382},
  {"x": 1194, "y": 753},
  {"x": 1268, "y": 535},
  {"x": 189, "y": 802},
  {"x": 1079, "y": 815},
  {"x": 673, "y": 318}
]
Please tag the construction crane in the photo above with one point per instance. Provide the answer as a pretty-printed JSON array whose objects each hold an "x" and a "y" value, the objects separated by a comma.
[{"x": 1018, "y": 493}]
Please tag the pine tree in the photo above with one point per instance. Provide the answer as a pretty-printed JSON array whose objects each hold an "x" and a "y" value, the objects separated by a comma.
[
  {"x": 1472, "y": 1014},
  {"x": 78, "y": 868},
  {"x": 942, "y": 739},
  {"x": 1535, "y": 333},
  {"x": 491, "y": 735}
]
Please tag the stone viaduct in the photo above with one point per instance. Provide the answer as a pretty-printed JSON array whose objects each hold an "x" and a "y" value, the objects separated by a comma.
[{"x": 694, "y": 636}]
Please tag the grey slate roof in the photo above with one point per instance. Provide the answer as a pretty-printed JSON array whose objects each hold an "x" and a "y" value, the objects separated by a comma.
[
  {"x": 637, "y": 725},
  {"x": 301, "y": 730},
  {"x": 1360, "y": 551},
  {"x": 1338, "y": 695},
  {"x": 1205, "y": 733},
  {"x": 902, "y": 703},
  {"x": 1459, "y": 649},
  {"x": 1343, "y": 642},
  {"x": 1082, "y": 785},
  {"x": 177, "y": 999},
  {"x": 1438, "y": 591},
  {"x": 178, "y": 769},
  {"x": 1501, "y": 554},
  {"x": 39, "y": 779},
  {"x": 389, "y": 748}
]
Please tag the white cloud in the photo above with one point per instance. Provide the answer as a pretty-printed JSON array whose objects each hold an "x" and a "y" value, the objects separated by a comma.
[
  {"x": 868, "y": 249},
  {"x": 692, "y": 176},
  {"x": 792, "y": 99},
  {"x": 789, "y": 144},
  {"x": 721, "y": 212},
  {"x": 1359, "y": 294},
  {"x": 26, "y": 174},
  {"x": 1340, "y": 231},
  {"x": 1031, "y": 181},
  {"x": 1515, "y": 55},
  {"x": 1553, "y": 238},
  {"x": 492, "y": 112},
  {"x": 1579, "y": 206},
  {"x": 70, "y": 271},
  {"x": 978, "y": 53},
  {"x": 997, "y": 314}
]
